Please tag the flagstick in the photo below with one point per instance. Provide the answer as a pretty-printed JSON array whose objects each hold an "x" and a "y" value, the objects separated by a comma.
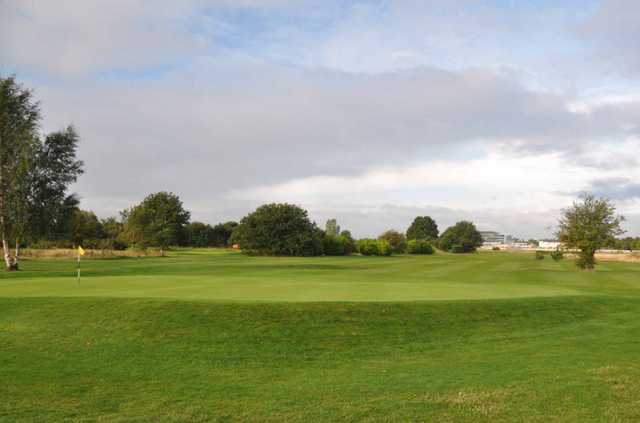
[{"x": 78, "y": 278}]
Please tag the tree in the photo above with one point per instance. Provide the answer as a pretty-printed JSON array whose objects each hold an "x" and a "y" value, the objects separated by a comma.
[
  {"x": 221, "y": 234},
  {"x": 158, "y": 221},
  {"x": 463, "y": 237},
  {"x": 348, "y": 242},
  {"x": 84, "y": 225},
  {"x": 396, "y": 240},
  {"x": 19, "y": 119},
  {"x": 332, "y": 228},
  {"x": 199, "y": 234},
  {"x": 279, "y": 230},
  {"x": 56, "y": 168},
  {"x": 423, "y": 227},
  {"x": 588, "y": 226}
]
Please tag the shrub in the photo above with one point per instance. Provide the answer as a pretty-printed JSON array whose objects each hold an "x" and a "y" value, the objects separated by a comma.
[
  {"x": 348, "y": 242},
  {"x": 419, "y": 247},
  {"x": 396, "y": 240},
  {"x": 333, "y": 246},
  {"x": 279, "y": 230},
  {"x": 495, "y": 249},
  {"x": 557, "y": 255},
  {"x": 463, "y": 237},
  {"x": 384, "y": 248},
  {"x": 539, "y": 255},
  {"x": 368, "y": 247}
]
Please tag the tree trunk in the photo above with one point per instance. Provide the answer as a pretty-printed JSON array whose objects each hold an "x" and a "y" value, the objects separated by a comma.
[
  {"x": 7, "y": 255},
  {"x": 16, "y": 256}
]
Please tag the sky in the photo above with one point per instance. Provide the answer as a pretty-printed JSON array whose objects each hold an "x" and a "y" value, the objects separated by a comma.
[{"x": 501, "y": 112}]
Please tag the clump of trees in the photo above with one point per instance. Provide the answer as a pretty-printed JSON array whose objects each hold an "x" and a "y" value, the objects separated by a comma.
[
  {"x": 35, "y": 173},
  {"x": 463, "y": 237},
  {"x": 396, "y": 240},
  {"x": 587, "y": 226}
]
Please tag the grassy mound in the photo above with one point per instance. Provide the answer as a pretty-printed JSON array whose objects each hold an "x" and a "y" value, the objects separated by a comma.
[{"x": 85, "y": 359}]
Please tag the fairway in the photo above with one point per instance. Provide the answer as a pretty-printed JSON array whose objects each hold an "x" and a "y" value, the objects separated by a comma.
[
  {"x": 218, "y": 275},
  {"x": 212, "y": 335}
]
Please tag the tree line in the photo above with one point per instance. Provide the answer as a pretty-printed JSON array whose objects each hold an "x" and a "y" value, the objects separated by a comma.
[{"x": 37, "y": 210}]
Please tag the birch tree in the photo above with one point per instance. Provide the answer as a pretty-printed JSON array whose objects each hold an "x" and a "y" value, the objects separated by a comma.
[
  {"x": 19, "y": 118},
  {"x": 34, "y": 174}
]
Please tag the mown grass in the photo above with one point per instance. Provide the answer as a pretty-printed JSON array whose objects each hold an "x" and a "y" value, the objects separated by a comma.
[{"x": 568, "y": 352}]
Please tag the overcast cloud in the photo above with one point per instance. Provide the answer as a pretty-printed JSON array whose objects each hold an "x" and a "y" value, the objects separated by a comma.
[{"x": 371, "y": 112}]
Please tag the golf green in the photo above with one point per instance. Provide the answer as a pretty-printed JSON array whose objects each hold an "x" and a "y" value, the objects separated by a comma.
[{"x": 207, "y": 335}]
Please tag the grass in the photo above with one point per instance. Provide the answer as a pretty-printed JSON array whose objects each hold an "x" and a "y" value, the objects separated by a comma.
[{"x": 216, "y": 336}]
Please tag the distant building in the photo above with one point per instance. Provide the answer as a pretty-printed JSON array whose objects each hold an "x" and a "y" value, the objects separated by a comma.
[
  {"x": 549, "y": 245},
  {"x": 491, "y": 237}
]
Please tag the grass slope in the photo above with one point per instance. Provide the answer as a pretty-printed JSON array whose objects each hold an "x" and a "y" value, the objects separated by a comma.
[{"x": 567, "y": 353}]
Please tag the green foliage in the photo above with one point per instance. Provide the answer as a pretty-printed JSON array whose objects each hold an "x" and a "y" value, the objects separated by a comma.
[
  {"x": 396, "y": 240},
  {"x": 333, "y": 246},
  {"x": 539, "y": 255},
  {"x": 589, "y": 226},
  {"x": 463, "y": 237},
  {"x": 557, "y": 255},
  {"x": 278, "y": 230},
  {"x": 221, "y": 234},
  {"x": 368, "y": 247},
  {"x": 533, "y": 242},
  {"x": 373, "y": 247},
  {"x": 158, "y": 221},
  {"x": 419, "y": 246},
  {"x": 198, "y": 234},
  {"x": 84, "y": 225},
  {"x": 423, "y": 227},
  {"x": 34, "y": 174},
  {"x": 495, "y": 248},
  {"x": 384, "y": 247},
  {"x": 332, "y": 228},
  {"x": 348, "y": 242},
  {"x": 56, "y": 169}
]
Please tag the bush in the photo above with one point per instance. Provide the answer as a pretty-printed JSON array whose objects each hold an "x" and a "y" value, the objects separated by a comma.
[
  {"x": 384, "y": 248},
  {"x": 368, "y": 247},
  {"x": 539, "y": 255},
  {"x": 348, "y": 242},
  {"x": 396, "y": 240},
  {"x": 333, "y": 246},
  {"x": 278, "y": 230},
  {"x": 463, "y": 237},
  {"x": 495, "y": 249},
  {"x": 557, "y": 255},
  {"x": 419, "y": 247}
]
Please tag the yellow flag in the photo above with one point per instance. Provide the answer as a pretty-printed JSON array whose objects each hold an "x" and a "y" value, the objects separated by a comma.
[{"x": 80, "y": 250}]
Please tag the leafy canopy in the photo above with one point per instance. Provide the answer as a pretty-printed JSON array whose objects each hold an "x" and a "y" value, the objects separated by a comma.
[
  {"x": 463, "y": 237},
  {"x": 588, "y": 226},
  {"x": 423, "y": 227},
  {"x": 158, "y": 221},
  {"x": 279, "y": 230}
]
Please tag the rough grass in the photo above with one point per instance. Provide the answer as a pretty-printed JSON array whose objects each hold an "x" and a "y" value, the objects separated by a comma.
[{"x": 109, "y": 354}]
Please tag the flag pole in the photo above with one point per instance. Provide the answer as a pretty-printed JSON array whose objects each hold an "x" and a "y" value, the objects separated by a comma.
[{"x": 78, "y": 267}]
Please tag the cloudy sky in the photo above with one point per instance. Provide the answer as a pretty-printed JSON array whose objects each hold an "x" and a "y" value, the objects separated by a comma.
[{"x": 373, "y": 112}]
